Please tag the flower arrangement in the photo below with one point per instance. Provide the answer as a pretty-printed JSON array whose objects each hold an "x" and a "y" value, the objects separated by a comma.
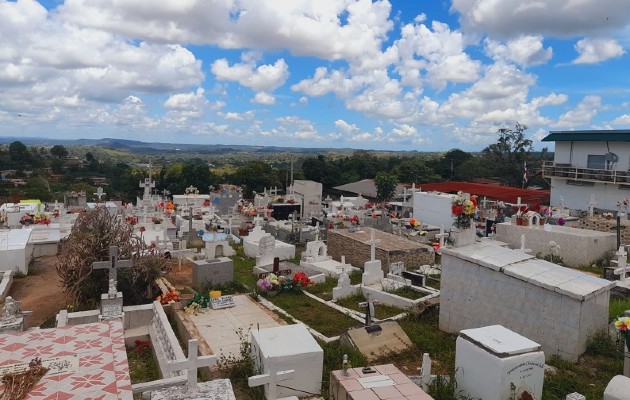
[
  {"x": 26, "y": 219},
  {"x": 545, "y": 212},
  {"x": 168, "y": 297},
  {"x": 607, "y": 215},
  {"x": 463, "y": 210},
  {"x": 170, "y": 207},
  {"x": 191, "y": 190},
  {"x": 156, "y": 220},
  {"x": 198, "y": 302},
  {"x": 41, "y": 219},
  {"x": 132, "y": 220},
  {"x": 55, "y": 213},
  {"x": 354, "y": 220},
  {"x": 206, "y": 203},
  {"x": 622, "y": 324},
  {"x": 414, "y": 223},
  {"x": 623, "y": 202},
  {"x": 269, "y": 283},
  {"x": 561, "y": 221},
  {"x": 302, "y": 280}
]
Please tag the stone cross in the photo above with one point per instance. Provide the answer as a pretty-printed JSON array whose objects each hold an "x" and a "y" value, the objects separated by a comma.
[
  {"x": 519, "y": 205},
  {"x": 484, "y": 203},
  {"x": 369, "y": 310},
  {"x": 622, "y": 266},
  {"x": 99, "y": 193},
  {"x": 271, "y": 378},
  {"x": 317, "y": 231},
  {"x": 112, "y": 265},
  {"x": 441, "y": 236},
  {"x": 147, "y": 185},
  {"x": 192, "y": 363},
  {"x": 373, "y": 242}
]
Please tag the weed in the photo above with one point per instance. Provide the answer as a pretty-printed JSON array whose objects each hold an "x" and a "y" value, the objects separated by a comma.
[
  {"x": 142, "y": 364},
  {"x": 333, "y": 357},
  {"x": 241, "y": 367},
  {"x": 404, "y": 291},
  {"x": 381, "y": 311},
  {"x": 602, "y": 344},
  {"x": 19, "y": 275},
  {"x": 445, "y": 388},
  {"x": 617, "y": 308},
  {"x": 232, "y": 287}
]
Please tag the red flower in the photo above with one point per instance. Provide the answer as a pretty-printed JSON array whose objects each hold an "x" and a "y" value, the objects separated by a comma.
[
  {"x": 142, "y": 229},
  {"x": 457, "y": 210},
  {"x": 473, "y": 198},
  {"x": 623, "y": 327}
]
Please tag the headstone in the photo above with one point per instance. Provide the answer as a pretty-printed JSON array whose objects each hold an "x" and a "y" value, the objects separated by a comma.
[
  {"x": 376, "y": 341},
  {"x": 344, "y": 287},
  {"x": 297, "y": 362},
  {"x": 112, "y": 302},
  {"x": 218, "y": 303},
  {"x": 622, "y": 267},
  {"x": 112, "y": 266},
  {"x": 212, "y": 272},
  {"x": 99, "y": 193},
  {"x": 618, "y": 388},
  {"x": 373, "y": 242},
  {"x": 591, "y": 205},
  {"x": 192, "y": 363},
  {"x": 397, "y": 268},
  {"x": 369, "y": 310},
  {"x": 494, "y": 362}
]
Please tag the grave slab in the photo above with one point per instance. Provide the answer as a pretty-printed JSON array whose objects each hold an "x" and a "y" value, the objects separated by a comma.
[
  {"x": 220, "y": 389},
  {"x": 378, "y": 340},
  {"x": 492, "y": 361},
  {"x": 383, "y": 382},
  {"x": 94, "y": 356}
]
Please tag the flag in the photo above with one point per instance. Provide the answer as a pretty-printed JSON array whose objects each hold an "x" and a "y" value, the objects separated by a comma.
[{"x": 525, "y": 172}]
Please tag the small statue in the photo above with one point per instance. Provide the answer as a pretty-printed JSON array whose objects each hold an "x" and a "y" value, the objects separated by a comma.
[{"x": 345, "y": 364}]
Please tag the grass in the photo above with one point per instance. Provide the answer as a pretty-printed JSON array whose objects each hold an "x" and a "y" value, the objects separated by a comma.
[
  {"x": 142, "y": 364},
  {"x": 407, "y": 293},
  {"x": 318, "y": 316},
  {"x": 381, "y": 311},
  {"x": 323, "y": 290},
  {"x": 617, "y": 308}
]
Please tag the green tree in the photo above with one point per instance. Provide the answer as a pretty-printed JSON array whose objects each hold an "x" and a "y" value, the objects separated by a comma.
[
  {"x": 59, "y": 151},
  {"x": 450, "y": 165},
  {"x": 37, "y": 188},
  {"x": 385, "y": 186},
  {"x": 19, "y": 152},
  {"x": 415, "y": 170},
  {"x": 509, "y": 154},
  {"x": 255, "y": 176}
]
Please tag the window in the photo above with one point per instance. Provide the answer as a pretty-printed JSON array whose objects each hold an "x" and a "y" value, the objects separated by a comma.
[{"x": 596, "y": 161}]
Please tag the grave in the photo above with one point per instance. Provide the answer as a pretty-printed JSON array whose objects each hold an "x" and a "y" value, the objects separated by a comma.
[
  {"x": 485, "y": 284},
  {"x": 374, "y": 383},
  {"x": 372, "y": 270},
  {"x": 391, "y": 248},
  {"x": 217, "y": 245},
  {"x": 112, "y": 302},
  {"x": 298, "y": 353},
  {"x": 218, "y": 327},
  {"x": 251, "y": 245},
  {"x": 15, "y": 250},
  {"x": 494, "y": 362},
  {"x": 84, "y": 360},
  {"x": 579, "y": 247},
  {"x": 12, "y": 318},
  {"x": 316, "y": 258},
  {"x": 45, "y": 240},
  {"x": 217, "y": 271},
  {"x": 378, "y": 340},
  {"x": 344, "y": 288}
]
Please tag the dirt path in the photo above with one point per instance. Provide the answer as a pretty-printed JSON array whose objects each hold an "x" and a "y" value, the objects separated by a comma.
[
  {"x": 180, "y": 278},
  {"x": 40, "y": 292}
]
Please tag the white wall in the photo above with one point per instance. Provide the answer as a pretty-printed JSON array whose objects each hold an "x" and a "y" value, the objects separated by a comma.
[
  {"x": 576, "y": 153},
  {"x": 577, "y": 197},
  {"x": 433, "y": 208},
  {"x": 311, "y": 192}
]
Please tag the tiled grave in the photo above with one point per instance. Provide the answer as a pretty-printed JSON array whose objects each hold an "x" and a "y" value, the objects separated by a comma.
[
  {"x": 219, "y": 327},
  {"x": 86, "y": 361},
  {"x": 385, "y": 382}
]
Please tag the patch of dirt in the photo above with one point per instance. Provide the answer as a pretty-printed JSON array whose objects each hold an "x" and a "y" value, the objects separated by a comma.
[
  {"x": 40, "y": 291},
  {"x": 180, "y": 278}
]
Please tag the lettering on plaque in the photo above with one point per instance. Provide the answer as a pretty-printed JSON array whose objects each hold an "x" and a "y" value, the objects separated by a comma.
[
  {"x": 221, "y": 302},
  {"x": 55, "y": 365},
  {"x": 525, "y": 370},
  {"x": 111, "y": 310}
]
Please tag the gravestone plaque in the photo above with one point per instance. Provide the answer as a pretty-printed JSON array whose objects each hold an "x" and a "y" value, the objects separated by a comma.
[
  {"x": 266, "y": 245},
  {"x": 222, "y": 302}
]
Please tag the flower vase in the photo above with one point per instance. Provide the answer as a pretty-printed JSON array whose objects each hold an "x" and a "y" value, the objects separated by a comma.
[
  {"x": 519, "y": 221},
  {"x": 464, "y": 237}
]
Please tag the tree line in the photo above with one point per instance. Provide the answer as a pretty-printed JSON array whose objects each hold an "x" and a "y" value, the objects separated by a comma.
[{"x": 49, "y": 172}]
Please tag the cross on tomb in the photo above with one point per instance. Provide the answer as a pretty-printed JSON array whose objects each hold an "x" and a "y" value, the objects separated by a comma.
[
  {"x": 271, "y": 378},
  {"x": 369, "y": 310},
  {"x": 192, "y": 363},
  {"x": 622, "y": 266},
  {"x": 591, "y": 205},
  {"x": 373, "y": 242},
  {"x": 441, "y": 236},
  {"x": 317, "y": 231},
  {"x": 112, "y": 265},
  {"x": 147, "y": 185},
  {"x": 519, "y": 205},
  {"x": 99, "y": 193}
]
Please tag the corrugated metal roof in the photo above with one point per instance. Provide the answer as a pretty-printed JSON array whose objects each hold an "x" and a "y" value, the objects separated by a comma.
[
  {"x": 493, "y": 192},
  {"x": 616, "y": 135}
]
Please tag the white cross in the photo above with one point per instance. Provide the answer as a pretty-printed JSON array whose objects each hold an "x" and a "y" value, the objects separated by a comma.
[
  {"x": 113, "y": 264},
  {"x": 99, "y": 193},
  {"x": 441, "y": 236},
  {"x": 317, "y": 231},
  {"x": 591, "y": 204},
  {"x": 192, "y": 363},
  {"x": 147, "y": 185},
  {"x": 519, "y": 205},
  {"x": 271, "y": 378},
  {"x": 484, "y": 202},
  {"x": 372, "y": 242},
  {"x": 622, "y": 266}
]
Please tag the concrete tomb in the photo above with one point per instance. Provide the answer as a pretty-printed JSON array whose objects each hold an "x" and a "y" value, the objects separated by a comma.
[
  {"x": 494, "y": 363},
  {"x": 216, "y": 271}
]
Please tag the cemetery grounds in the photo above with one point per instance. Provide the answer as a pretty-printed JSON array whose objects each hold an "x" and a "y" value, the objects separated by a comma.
[{"x": 40, "y": 292}]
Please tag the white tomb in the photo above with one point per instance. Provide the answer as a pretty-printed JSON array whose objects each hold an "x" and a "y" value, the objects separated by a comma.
[
  {"x": 251, "y": 244},
  {"x": 15, "y": 250},
  {"x": 45, "y": 240},
  {"x": 484, "y": 284},
  {"x": 494, "y": 363},
  {"x": 372, "y": 271},
  {"x": 316, "y": 258},
  {"x": 433, "y": 208},
  {"x": 285, "y": 348}
]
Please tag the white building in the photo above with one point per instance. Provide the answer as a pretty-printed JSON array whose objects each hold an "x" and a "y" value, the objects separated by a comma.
[
  {"x": 589, "y": 163},
  {"x": 310, "y": 194}
]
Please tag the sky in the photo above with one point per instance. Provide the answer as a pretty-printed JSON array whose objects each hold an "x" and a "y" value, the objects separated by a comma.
[{"x": 425, "y": 75}]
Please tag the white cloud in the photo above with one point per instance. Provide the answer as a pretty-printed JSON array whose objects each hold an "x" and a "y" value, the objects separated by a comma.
[
  {"x": 262, "y": 78},
  {"x": 307, "y": 27},
  {"x": 524, "y": 50},
  {"x": 581, "y": 115},
  {"x": 345, "y": 127},
  {"x": 234, "y": 116},
  {"x": 559, "y": 18},
  {"x": 264, "y": 98},
  {"x": 623, "y": 120},
  {"x": 303, "y": 100},
  {"x": 593, "y": 51},
  {"x": 187, "y": 105}
]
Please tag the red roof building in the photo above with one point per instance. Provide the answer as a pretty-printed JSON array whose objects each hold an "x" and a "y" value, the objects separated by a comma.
[{"x": 506, "y": 194}]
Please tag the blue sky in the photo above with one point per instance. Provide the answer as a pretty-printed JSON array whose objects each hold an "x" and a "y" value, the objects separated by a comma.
[{"x": 394, "y": 75}]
